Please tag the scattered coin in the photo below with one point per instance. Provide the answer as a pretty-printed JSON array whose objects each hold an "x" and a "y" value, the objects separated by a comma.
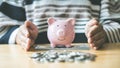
[{"x": 65, "y": 56}]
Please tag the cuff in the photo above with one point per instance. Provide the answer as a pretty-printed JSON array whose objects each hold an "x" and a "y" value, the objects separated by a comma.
[{"x": 13, "y": 36}]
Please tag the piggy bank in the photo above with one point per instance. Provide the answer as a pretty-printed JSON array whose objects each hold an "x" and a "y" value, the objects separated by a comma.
[{"x": 60, "y": 32}]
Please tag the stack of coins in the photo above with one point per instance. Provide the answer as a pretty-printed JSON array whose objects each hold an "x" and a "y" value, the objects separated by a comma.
[{"x": 65, "y": 56}]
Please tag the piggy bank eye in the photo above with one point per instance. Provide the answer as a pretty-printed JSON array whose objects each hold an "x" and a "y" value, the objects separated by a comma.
[
  {"x": 57, "y": 25},
  {"x": 65, "y": 25}
]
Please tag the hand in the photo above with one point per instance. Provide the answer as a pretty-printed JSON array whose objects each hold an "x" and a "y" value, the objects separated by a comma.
[
  {"x": 95, "y": 34},
  {"x": 26, "y": 35}
]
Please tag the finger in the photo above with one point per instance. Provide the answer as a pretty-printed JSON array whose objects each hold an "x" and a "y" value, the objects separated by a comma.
[
  {"x": 23, "y": 38},
  {"x": 33, "y": 34},
  {"x": 23, "y": 41},
  {"x": 29, "y": 43},
  {"x": 23, "y": 44},
  {"x": 98, "y": 44},
  {"x": 96, "y": 37},
  {"x": 24, "y": 31},
  {"x": 20, "y": 37},
  {"x": 94, "y": 30},
  {"x": 26, "y": 45},
  {"x": 96, "y": 41},
  {"x": 91, "y": 46},
  {"x": 90, "y": 30},
  {"x": 90, "y": 24}
]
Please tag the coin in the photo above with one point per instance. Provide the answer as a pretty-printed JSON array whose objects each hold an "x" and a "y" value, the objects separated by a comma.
[{"x": 65, "y": 56}]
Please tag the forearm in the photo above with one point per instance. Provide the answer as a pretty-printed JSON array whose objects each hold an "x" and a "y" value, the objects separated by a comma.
[
  {"x": 110, "y": 19},
  {"x": 113, "y": 32}
]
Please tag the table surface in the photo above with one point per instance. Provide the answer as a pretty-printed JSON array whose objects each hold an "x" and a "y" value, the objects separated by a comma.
[{"x": 13, "y": 56}]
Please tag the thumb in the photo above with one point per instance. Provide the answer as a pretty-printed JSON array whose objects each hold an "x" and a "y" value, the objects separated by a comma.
[
  {"x": 29, "y": 24},
  {"x": 32, "y": 28}
]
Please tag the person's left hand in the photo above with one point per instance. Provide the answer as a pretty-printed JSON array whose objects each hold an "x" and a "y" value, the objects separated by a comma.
[{"x": 95, "y": 34}]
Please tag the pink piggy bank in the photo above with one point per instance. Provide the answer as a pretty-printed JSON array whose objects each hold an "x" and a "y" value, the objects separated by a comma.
[{"x": 61, "y": 32}]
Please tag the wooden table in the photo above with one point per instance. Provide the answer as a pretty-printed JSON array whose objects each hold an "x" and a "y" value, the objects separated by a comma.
[{"x": 13, "y": 56}]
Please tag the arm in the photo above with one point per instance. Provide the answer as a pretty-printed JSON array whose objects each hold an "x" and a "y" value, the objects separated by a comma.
[
  {"x": 108, "y": 28},
  {"x": 11, "y": 16},
  {"x": 10, "y": 31},
  {"x": 110, "y": 19},
  {"x": 7, "y": 34}
]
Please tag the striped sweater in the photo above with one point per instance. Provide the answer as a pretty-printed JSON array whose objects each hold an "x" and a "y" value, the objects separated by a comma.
[{"x": 15, "y": 12}]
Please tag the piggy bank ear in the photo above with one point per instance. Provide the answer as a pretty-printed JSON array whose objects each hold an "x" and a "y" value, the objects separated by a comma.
[
  {"x": 71, "y": 21},
  {"x": 51, "y": 20}
]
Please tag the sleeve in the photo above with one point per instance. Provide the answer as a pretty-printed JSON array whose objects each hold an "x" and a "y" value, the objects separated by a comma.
[
  {"x": 12, "y": 15},
  {"x": 7, "y": 35},
  {"x": 110, "y": 19},
  {"x": 13, "y": 35}
]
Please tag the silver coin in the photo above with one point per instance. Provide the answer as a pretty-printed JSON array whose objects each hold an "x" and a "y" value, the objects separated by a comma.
[
  {"x": 65, "y": 56},
  {"x": 35, "y": 55}
]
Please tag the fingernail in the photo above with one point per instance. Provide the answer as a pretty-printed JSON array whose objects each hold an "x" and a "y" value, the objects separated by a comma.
[
  {"x": 91, "y": 45},
  {"x": 27, "y": 34},
  {"x": 27, "y": 48},
  {"x": 27, "y": 40},
  {"x": 95, "y": 48}
]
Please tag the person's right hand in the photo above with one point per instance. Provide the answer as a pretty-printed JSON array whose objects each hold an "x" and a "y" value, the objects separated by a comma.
[{"x": 26, "y": 35}]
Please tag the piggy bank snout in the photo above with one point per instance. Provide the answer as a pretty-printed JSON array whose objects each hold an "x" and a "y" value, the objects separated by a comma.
[{"x": 61, "y": 33}]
